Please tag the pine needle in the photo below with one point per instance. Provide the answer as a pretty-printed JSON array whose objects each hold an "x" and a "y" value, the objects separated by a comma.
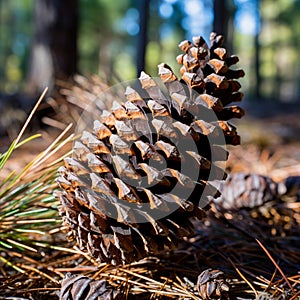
[
  {"x": 40, "y": 273},
  {"x": 31, "y": 115},
  {"x": 243, "y": 277},
  {"x": 275, "y": 264},
  {"x": 7, "y": 262}
]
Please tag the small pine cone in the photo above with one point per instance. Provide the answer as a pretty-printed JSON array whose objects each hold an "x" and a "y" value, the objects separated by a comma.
[
  {"x": 242, "y": 190},
  {"x": 156, "y": 148},
  {"x": 211, "y": 285},
  {"x": 80, "y": 287}
]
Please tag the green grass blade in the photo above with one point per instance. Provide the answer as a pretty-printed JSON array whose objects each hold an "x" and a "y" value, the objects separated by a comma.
[
  {"x": 7, "y": 154},
  {"x": 7, "y": 262}
]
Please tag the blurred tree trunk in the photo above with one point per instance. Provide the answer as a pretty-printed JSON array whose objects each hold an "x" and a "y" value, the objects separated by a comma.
[
  {"x": 257, "y": 46},
  {"x": 54, "y": 44},
  {"x": 258, "y": 78},
  {"x": 143, "y": 7},
  {"x": 224, "y": 11},
  {"x": 220, "y": 17}
]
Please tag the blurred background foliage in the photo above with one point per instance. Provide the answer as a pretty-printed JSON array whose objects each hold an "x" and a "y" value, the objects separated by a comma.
[{"x": 264, "y": 34}]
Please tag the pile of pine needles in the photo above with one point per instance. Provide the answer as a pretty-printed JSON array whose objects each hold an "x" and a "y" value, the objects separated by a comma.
[
  {"x": 258, "y": 254},
  {"x": 256, "y": 249}
]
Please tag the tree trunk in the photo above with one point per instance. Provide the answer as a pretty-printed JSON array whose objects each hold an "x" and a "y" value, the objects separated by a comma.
[
  {"x": 142, "y": 37},
  {"x": 54, "y": 45},
  {"x": 257, "y": 47},
  {"x": 220, "y": 20},
  {"x": 224, "y": 11},
  {"x": 258, "y": 78}
]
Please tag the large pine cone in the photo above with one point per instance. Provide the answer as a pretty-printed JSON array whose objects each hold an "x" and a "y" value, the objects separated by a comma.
[{"x": 147, "y": 168}]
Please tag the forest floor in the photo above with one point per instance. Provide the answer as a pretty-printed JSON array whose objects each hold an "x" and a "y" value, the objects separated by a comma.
[
  {"x": 270, "y": 146},
  {"x": 270, "y": 141}
]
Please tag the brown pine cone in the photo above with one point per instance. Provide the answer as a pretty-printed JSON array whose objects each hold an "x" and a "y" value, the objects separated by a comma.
[
  {"x": 148, "y": 165},
  {"x": 242, "y": 190},
  {"x": 81, "y": 287},
  {"x": 211, "y": 285}
]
